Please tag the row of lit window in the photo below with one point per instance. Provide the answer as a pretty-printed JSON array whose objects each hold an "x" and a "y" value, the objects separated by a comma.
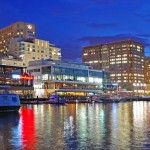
[
  {"x": 136, "y": 81},
  {"x": 43, "y": 43},
  {"x": 125, "y": 78},
  {"x": 105, "y": 50},
  {"x": 118, "y": 62},
  {"x": 96, "y": 61},
  {"x": 33, "y": 50},
  {"x": 33, "y": 46},
  {"x": 127, "y": 75},
  {"x": 124, "y": 45},
  {"x": 118, "y": 59}
]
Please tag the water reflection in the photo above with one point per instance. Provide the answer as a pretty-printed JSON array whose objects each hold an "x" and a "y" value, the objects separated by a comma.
[
  {"x": 27, "y": 128},
  {"x": 77, "y": 126},
  {"x": 9, "y": 122}
]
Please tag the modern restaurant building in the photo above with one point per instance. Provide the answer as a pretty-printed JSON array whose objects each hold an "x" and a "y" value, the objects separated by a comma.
[{"x": 66, "y": 78}]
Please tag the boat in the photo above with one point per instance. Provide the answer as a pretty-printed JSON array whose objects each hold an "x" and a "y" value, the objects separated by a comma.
[
  {"x": 9, "y": 102},
  {"x": 107, "y": 99},
  {"x": 99, "y": 101},
  {"x": 111, "y": 99},
  {"x": 83, "y": 101},
  {"x": 123, "y": 99},
  {"x": 55, "y": 99}
]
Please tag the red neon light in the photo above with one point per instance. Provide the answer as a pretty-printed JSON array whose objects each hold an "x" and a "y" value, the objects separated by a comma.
[
  {"x": 26, "y": 77},
  {"x": 28, "y": 133}
]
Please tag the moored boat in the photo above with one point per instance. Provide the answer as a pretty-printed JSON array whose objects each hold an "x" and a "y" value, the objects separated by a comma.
[
  {"x": 111, "y": 99},
  {"x": 107, "y": 99},
  {"x": 55, "y": 99},
  {"x": 9, "y": 102}
]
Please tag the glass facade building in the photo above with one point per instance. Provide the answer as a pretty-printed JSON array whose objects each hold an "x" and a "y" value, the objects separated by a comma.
[{"x": 66, "y": 78}]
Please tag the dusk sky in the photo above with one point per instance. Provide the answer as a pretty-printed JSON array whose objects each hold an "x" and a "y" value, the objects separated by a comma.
[{"x": 73, "y": 24}]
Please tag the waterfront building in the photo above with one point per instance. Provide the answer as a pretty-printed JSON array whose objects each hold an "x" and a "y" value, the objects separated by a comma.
[
  {"x": 147, "y": 75},
  {"x": 33, "y": 49},
  {"x": 66, "y": 78},
  {"x": 18, "y": 29},
  {"x": 16, "y": 80},
  {"x": 124, "y": 59}
]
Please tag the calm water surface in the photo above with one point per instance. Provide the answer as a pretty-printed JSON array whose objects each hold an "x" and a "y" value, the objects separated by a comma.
[{"x": 77, "y": 127}]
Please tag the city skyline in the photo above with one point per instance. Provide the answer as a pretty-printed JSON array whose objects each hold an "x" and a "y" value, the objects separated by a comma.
[{"x": 71, "y": 25}]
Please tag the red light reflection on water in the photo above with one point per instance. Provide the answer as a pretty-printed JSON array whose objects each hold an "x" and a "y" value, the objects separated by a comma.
[{"x": 28, "y": 128}]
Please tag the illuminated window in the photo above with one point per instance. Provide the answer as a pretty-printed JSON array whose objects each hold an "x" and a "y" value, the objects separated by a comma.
[
  {"x": 96, "y": 61},
  {"x": 85, "y": 54},
  {"x": 45, "y": 77}
]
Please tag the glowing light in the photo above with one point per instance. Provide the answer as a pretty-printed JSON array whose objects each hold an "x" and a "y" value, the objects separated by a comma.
[
  {"x": 15, "y": 76},
  {"x": 25, "y": 77},
  {"x": 29, "y": 26}
]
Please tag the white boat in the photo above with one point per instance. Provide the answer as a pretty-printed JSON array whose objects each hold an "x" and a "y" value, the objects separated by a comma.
[
  {"x": 9, "y": 102},
  {"x": 55, "y": 99}
]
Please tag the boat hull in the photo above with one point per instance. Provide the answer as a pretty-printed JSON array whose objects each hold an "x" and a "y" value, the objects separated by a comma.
[
  {"x": 55, "y": 99},
  {"x": 106, "y": 100},
  {"x": 9, "y": 108},
  {"x": 55, "y": 102},
  {"x": 9, "y": 102}
]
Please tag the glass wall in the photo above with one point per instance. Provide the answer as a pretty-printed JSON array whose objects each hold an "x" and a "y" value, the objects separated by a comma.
[
  {"x": 75, "y": 74},
  {"x": 70, "y": 74}
]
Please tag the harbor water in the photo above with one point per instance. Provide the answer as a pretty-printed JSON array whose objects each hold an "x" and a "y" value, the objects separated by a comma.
[{"x": 96, "y": 126}]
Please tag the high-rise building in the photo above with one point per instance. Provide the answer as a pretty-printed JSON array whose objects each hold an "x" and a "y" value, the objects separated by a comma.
[
  {"x": 30, "y": 50},
  {"x": 147, "y": 70},
  {"x": 18, "y": 29},
  {"x": 19, "y": 40},
  {"x": 147, "y": 75},
  {"x": 124, "y": 59}
]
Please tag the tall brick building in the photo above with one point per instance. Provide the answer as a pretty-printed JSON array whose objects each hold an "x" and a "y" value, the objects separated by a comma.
[
  {"x": 124, "y": 59},
  {"x": 147, "y": 75}
]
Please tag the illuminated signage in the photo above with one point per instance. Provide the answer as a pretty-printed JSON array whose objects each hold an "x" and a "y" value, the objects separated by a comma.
[
  {"x": 16, "y": 76},
  {"x": 22, "y": 77},
  {"x": 25, "y": 77},
  {"x": 29, "y": 26}
]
